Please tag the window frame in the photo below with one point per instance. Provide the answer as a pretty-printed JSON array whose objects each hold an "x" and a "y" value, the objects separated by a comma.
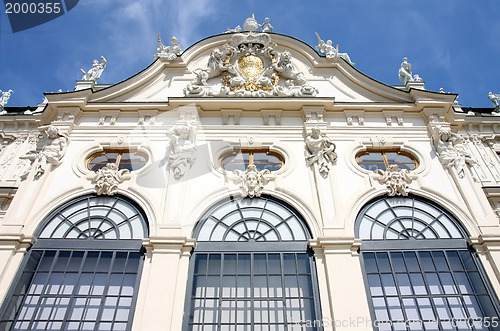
[
  {"x": 251, "y": 152},
  {"x": 118, "y": 161},
  {"x": 420, "y": 245},
  {"x": 386, "y": 163},
  {"x": 132, "y": 248},
  {"x": 251, "y": 248}
]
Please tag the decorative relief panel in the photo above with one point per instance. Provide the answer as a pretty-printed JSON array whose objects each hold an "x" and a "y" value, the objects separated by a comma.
[{"x": 249, "y": 66}]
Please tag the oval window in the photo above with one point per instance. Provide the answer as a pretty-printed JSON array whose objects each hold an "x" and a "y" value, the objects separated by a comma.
[
  {"x": 124, "y": 159},
  {"x": 262, "y": 159}
]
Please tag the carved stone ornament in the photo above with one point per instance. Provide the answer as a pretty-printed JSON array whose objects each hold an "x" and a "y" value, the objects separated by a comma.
[
  {"x": 396, "y": 179},
  {"x": 182, "y": 149},
  {"x": 251, "y": 180},
  {"x": 107, "y": 179},
  {"x": 249, "y": 66},
  {"x": 450, "y": 150},
  {"x": 321, "y": 150},
  {"x": 169, "y": 52},
  {"x": 51, "y": 153}
]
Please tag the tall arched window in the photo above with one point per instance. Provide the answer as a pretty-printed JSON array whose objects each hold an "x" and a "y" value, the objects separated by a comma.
[
  {"x": 419, "y": 271},
  {"x": 83, "y": 271},
  {"x": 251, "y": 269}
]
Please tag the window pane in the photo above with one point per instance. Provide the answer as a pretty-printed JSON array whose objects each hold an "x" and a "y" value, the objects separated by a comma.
[
  {"x": 75, "y": 298},
  {"x": 263, "y": 299}
]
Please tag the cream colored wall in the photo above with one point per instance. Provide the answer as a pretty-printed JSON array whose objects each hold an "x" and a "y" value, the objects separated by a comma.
[{"x": 329, "y": 205}]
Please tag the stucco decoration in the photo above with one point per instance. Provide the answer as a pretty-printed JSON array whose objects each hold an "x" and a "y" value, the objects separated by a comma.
[
  {"x": 405, "y": 74},
  {"x": 251, "y": 180},
  {"x": 95, "y": 72},
  {"x": 4, "y": 98},
  {"x": 495, "y": 101},
  {"x": 181, "y": 150},
  {"x": 169, "y": 52},
  {"x": 321, "y": 150},
  {"x": 51, "y": 153},
  {"x": 107, "y": 179},
  {"x": 249, "y": 66},
  {"x": 396, "y": 179},
  {"x": 450, "y": 150},
  {"x": 331, "y": 52}
]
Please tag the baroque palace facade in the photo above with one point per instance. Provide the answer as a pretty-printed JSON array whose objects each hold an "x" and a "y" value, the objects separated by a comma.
[{"x": 249, "y": 182}]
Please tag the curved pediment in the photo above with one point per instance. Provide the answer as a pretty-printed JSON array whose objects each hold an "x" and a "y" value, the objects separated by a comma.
[{"x": 250, "y": 65}]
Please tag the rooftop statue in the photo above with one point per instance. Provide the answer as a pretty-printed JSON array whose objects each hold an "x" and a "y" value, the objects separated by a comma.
[
  {"x": 495, "y": 100},
  {"x": 95, "y": 72},
  {"x": 329, "y": 51},
  {"x": 168, "y": 52},
  {"x": 236, "y": 29},
  {"x": 405, "y": 74},
  {"x": 4, "y": 98},
  {"x": 266, "y": 26}
]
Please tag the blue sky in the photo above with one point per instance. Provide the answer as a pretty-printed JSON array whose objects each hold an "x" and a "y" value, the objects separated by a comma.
[{"x": 453, "y": 44}]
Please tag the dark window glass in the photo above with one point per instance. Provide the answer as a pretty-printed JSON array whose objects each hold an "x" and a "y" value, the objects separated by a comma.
[
  {"x": 92, "y": 287},
  {"x": 123, "y": 159},
  {"x": 261, "y": 159},
  {"x": 373, "y": 160}
]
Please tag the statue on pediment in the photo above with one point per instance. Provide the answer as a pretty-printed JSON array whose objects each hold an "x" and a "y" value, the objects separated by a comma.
[
  {"x": 95, "y": 72},
  {"x": 331, "y": 52},
  {"x": 169, "y": 52}
]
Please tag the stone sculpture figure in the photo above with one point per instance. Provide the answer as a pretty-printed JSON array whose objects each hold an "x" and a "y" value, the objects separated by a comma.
[
  {"x": 405, "y": 74},
  {"x": 321, "y": 150},
  {"x": 181, "y": 151},
  {"x": 51, "y": 153},
  {"x": 168, "y": 52},
  {"x": 251, "y": 180},
  {"x": 495, "y": 101},
  {"x": 266, "y": 26},
  {"x": 236, "y": 29},
  {"x": 4, "y": 98},
  {"x": 405, "y": 71},
  {"x": 396, "y": 179},
  {"x": 107, "y": 179},
  {"x": 450, "y": 150},
  {"x": 95, "y": 72},
  {"x": 331, "y": 52}
]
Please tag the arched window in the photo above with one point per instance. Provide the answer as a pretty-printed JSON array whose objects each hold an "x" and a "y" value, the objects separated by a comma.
[
  {"x": 251, "y": 269},
  {"x": 419, "y": 271},
  {"x": 83, "y": 271}
]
